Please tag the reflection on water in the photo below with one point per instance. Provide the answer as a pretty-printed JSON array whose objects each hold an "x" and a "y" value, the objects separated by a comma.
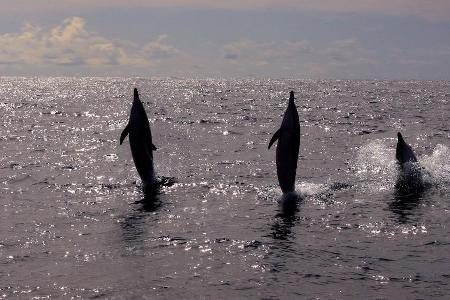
[
  {"x": 283, "y": 238},
  {"x": 150, "y": 204},
  {"x": 142, "y": 217},
  {"x": 284, "y": 221},
  {"x": 145, "y": 211},
  {"x": 405, "y": 204}
]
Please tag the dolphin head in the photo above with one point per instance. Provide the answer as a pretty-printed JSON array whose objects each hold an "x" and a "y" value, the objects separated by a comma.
[
  {"x": 400, "y": 138},
  {"x": 138, "y": 107},
  {"x": 403, "y": 152},
  {"x": 291, "y": 102},
  {"x": 401, "y": 145},
  {"x": 136, "y": 95}
]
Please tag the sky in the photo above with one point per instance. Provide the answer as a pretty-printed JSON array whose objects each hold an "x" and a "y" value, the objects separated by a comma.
[{"x": 304, "y": 39}]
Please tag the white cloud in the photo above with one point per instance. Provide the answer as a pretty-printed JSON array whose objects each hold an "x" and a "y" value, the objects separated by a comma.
[
  {"x": 50, "y": 51},
  {"x": 72, "y": 44}
]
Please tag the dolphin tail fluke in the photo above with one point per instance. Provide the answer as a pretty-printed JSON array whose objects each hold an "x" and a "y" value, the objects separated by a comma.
[
  {"x": 124, "y": 133},
  {"x": 274, "y": 138}
]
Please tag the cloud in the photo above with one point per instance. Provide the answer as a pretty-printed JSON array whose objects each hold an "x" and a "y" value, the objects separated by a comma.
[
  {"x": 73, "y": 48},
  {"x": 72, "y": 44},
  {"x": 300, "y": 58},
  {"x": 261, "y": 53},
  {"x": 347, "y": 51},
  {"x": 158, "y": 50},
  {"x": 234, "y": 50},
  {"x": 343, "y": 58},
  {"x": 436, "y": 10}
]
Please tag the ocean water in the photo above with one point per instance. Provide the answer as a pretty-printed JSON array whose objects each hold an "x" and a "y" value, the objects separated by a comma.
[{"x": 72, "y": 225}]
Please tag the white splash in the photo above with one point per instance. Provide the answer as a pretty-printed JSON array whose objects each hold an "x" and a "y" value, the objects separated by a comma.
[{"x": 375, "y": 164}]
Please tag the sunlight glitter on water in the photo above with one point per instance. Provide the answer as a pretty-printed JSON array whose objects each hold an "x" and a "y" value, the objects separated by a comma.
[{"x": 71, "y": 206}]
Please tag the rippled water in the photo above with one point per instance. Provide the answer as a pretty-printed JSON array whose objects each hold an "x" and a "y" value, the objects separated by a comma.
[{"x": 71, "y": 224}]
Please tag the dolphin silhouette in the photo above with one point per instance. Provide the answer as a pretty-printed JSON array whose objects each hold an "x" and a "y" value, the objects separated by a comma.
[
  {"x": 410, "y": 178},
  {"x": 138, "y": 128},
  {"x": 288, "y": 137}
]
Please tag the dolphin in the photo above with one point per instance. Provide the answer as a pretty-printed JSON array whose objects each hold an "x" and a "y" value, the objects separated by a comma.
[
  {"x": 288, "y": 137},
  {"x": 141, "y": 144},
  {"x": 410, "y": 178}
]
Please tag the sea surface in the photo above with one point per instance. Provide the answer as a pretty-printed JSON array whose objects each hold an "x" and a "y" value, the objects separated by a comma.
[{"x": 72, "y": 224}]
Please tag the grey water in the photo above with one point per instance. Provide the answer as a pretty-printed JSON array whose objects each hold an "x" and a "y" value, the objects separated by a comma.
[{"x": 72, "y": 225}]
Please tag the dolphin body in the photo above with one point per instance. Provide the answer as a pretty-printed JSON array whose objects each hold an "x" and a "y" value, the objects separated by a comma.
[
  {"x": 288, "y": 137},
  {"x": 138, "y": 128},
  {"x": 410, "y": 178}
]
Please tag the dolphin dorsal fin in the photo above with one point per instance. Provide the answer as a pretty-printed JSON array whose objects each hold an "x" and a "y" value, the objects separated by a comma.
[
  {"x": 136, "y": 94},
  {"x": 150, "y": 146},
  {"x": 275, "y": 137},
  {"x": 124, "y": 134}
]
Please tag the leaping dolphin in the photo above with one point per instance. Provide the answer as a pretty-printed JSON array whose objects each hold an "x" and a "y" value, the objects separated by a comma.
[
  {"x": 138, "y": 128},
  {"x": 288, "y": 137},
  {"x": 410, "y": 176}
]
